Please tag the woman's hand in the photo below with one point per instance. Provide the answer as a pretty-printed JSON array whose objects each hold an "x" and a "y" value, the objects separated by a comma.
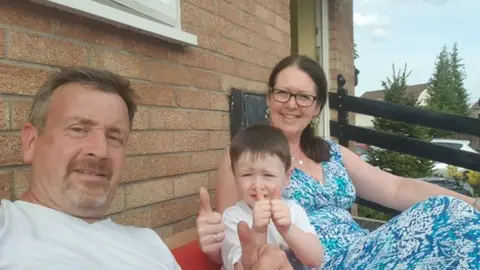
[{"x": 210, "y": 228}]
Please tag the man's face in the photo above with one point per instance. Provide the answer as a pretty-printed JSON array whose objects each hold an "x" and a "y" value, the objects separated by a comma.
[{"x": 79, "y": 157}]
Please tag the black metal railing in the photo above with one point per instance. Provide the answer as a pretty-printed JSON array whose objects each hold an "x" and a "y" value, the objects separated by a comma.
[{"x": 344, "y": 132}]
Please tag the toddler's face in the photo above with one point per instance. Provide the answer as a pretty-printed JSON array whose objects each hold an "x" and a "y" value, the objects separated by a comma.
[{"x": 256, "y": 174}]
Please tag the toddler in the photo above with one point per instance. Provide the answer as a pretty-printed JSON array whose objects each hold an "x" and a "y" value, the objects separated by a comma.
[{"x": 261, "y": 165}]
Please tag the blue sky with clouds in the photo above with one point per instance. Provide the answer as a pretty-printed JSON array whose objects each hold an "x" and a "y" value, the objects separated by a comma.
[{"x": 413, "y": 32}]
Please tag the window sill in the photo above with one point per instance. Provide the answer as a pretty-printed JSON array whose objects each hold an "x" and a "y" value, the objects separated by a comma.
[{"x": 123, "y": 19}]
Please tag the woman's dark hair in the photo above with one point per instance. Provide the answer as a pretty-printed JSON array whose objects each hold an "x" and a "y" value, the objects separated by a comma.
[{"x": 314, "y": 147}]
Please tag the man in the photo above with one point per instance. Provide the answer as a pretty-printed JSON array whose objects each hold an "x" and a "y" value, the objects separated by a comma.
[{"x": 75, "y": 141}]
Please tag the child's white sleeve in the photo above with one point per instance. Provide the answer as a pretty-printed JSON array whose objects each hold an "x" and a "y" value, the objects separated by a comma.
[
  {"x": 300, "y": 218},
  {"x": 231, "y": 248}
]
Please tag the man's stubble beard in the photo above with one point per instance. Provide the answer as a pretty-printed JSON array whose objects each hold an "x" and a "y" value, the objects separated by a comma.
[{"x": 82, "y": 197}]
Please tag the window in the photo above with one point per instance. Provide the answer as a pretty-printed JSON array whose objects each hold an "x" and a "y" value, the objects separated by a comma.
[{"x": 160, "y": 18}]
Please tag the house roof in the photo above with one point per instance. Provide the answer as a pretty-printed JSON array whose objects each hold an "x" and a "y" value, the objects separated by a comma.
[
  {"x": 476, "y": 105},
  {"x": 414, "y": 90}
]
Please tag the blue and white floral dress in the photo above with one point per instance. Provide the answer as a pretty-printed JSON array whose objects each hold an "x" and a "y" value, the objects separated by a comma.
[{"x": 438, "y": 233}]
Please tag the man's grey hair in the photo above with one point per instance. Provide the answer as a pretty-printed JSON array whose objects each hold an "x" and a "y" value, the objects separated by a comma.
[{"x": 99, "y": 79}]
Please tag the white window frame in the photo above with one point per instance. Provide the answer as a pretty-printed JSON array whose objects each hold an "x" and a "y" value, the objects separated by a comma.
[
  {"x": 323, "y": 52},
  {"x": 163, "y": 23}
]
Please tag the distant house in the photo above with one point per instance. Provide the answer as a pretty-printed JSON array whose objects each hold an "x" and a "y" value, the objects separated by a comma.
[
  {"x": 418, "y": 91},
  {"x": 475, "y": 109}
]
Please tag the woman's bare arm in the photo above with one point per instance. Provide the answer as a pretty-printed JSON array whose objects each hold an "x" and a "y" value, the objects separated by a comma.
[
  {"x": 390, "y": 190},
  {"x": 226, "y": 190}
]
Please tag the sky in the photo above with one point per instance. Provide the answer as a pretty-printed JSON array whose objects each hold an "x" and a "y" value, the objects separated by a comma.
[{"x": 413, "y": 32}]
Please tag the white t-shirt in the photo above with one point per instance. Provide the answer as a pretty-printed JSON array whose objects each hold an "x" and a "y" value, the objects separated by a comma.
[
  {"x": 231, "y": 249},
  {"x": 36, "y": 237}
]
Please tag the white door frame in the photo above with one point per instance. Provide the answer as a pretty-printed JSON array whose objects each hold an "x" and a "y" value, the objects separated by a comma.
[{"x": 323, "y": 56}]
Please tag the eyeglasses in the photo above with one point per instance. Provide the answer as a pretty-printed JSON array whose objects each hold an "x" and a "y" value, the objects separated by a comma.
[{"x": 283, "y": 96}]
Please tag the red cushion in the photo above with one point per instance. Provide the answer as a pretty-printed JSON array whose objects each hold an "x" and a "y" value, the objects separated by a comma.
[{"x": 191, "y": 257}]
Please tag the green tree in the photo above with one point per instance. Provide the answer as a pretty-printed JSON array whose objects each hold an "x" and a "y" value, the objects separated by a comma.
[
  {"x": 446, "y": 89},
  {"x": 399, "y": 164},
  {"x": 394, "y": 162},
  {"x": 457, "y": 86}
]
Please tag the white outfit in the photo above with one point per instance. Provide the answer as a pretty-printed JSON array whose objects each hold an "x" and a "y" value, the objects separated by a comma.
[
  {"x": 36, "y": 237},
  {"x": 231, "y": 249}
]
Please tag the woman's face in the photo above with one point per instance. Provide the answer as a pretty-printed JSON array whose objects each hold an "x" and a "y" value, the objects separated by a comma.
[{"x": 290, "y": 117}]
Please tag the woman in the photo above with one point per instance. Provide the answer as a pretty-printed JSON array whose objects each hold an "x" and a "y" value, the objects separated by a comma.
[{"x": 436, "y": 232}]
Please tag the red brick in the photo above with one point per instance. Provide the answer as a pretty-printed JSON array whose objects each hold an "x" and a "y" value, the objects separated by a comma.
[
  {"x": 209, "y": 120},
  {"x": 212, "y": 180},
  {"x": 206, "y": 80},
  {"x": 191, "y": 140},
  {"x": 256, "y": 56},
  {"x": 248, "y": 5},
  {"x": 209, "y": 5},
  {"x": 20, "y": 110},
  {"x": 122, "y": 63},
  {"x": 11, "y": 146},
  {"x": 264, "y": 14},
  {"x": 145, "y": 45},
  {"x": 230, "y": 81},
  {"x": 183, "y": 225},
  {"x": 171, "y": 211},
  {"x": 243, "y": 36},
  {"x": 2, "y": 42},
  {"x": 257, "y": 87},
  {"x": 230, "y": 12},
  {"x": 204, "y": 161},
  {"x": 282, "y": 9},
  {"x": 219, "y": 139},
  {"x": 278, "y": 49},
  {"x": 148, "y": 192},
  {"x": 142, "y": 118},
  {"x": 191, "y": 14},
  {"x": 138, "y": 217},
  {"x": 274, "y": 34},
  {"x": 3, "y": 114},
  {"x": 50, "y": 51},
  {"x": 215, "y": 23},
  {"x": 192, "y": 99},
  {"x": 233, "y": 49},
  {"x": 169, "y": 119},
  {"x": 88, "y": 30},
  {"x": 6, "y": 185},
  {"x": 219, "y": 63},
  {"x": 219, "y": 101},
  {"x": 154, "y": 166},
  {"x": 271, "y": 60},
  {"x": 27, "y": 14},
  {"x": 165, "y": 72},
  {"x": 206, "y": 39},
  {"x": 150, "y": 142},
  {"x": 254, "y": 24},
  {"x": 153, "y": 94},
  {"x": 282, "y": 24},
  {"x": 190, "y": 183},
  {"x": 253, "y": 72}
]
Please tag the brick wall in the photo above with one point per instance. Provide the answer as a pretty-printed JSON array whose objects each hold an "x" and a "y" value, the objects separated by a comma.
[
  {"x": 182, "y": 124},
  {"x": 341, "y": 47}
]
